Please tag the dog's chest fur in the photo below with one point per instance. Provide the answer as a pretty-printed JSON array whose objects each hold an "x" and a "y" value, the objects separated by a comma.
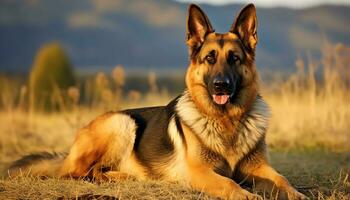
[{"x": 220, "y": 147}]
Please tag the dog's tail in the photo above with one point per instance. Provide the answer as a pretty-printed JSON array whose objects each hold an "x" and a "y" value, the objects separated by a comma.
[{"x": 43, "y": 164}]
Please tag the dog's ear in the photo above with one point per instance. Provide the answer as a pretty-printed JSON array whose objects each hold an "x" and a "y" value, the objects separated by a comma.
[
  {"x": 198, "y": 26},
  {"x": 245, "y": 26}
]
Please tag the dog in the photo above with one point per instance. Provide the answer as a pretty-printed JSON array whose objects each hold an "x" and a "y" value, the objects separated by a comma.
[{"x": 211, "y": 137}]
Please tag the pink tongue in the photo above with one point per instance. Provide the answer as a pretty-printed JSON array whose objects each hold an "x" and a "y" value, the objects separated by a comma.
[{"x": 220, "y": 99}]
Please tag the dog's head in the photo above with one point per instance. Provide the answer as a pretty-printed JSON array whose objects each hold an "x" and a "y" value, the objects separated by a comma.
[{"x": 222, "y": 75}]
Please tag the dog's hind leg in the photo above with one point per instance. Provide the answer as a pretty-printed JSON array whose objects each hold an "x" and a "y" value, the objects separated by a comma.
[{"x": 105, "y": 143}]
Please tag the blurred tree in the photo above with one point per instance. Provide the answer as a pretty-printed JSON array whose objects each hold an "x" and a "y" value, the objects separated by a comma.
[{"x": 51, "y": 74}]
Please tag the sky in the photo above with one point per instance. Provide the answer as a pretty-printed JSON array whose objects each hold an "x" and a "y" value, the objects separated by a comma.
[{"x": 274, "y": 3}]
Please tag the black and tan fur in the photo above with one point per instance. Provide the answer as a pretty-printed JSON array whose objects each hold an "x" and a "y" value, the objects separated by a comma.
[{"x": 192, "y": 140}]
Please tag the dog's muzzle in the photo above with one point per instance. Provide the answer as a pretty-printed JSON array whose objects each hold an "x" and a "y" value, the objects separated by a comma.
[{"x": 223, "y": 89}]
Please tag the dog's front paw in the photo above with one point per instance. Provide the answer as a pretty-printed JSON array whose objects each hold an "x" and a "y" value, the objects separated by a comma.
[
  {"x": 291, "y": 194},
  {"x": 295, "y": 195},
  {"x": 244, "y": 195}
]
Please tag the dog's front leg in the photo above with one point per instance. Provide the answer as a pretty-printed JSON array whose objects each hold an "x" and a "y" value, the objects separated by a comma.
[
  {"x": 266, "y": 178},
  {"x": 256, "y": 171},
  {"x": 206, "y": 180}
]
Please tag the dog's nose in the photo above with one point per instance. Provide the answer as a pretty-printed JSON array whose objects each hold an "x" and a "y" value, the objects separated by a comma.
[{"x": 221, "y": 82}]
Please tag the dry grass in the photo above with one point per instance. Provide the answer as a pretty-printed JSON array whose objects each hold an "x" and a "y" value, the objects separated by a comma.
[
  {"x": 309, "y": 133},
  {"x": 33, "y": 188},
  {"x": 311, "y": 108},
  {"x": 319, "y": 174}
]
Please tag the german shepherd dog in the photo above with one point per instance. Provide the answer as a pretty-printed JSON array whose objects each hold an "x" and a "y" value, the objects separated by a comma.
[{"x": 210, "y": 138}]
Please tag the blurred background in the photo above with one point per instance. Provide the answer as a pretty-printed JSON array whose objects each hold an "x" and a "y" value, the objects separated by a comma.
[{"x": 64, "y": 62}]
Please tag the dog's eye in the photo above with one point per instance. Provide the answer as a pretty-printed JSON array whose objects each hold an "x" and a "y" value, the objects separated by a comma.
[
  {"x": 233, "y": 59},
  {"x": 210, "y": 59}
]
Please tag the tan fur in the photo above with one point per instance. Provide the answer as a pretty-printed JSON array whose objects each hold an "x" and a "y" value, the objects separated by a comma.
[
  {"x": 107, "y": 141},
  {"x": 201, "y": 174},
  {"x": 266, "y": 179},
  {"x": 228, "y": 121},
  {"x": 198, "y": 89},
  {"x": 177, "y": 169}
]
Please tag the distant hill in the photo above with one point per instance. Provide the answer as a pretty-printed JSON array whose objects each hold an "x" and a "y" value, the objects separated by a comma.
[{"x": 99, "y": 34}]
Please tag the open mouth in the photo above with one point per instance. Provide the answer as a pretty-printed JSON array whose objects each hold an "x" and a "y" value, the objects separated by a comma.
[{"x": 221, "y": 99}]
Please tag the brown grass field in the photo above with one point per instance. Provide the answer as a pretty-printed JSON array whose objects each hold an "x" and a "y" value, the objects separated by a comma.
[{"x": 309, "y": 135}]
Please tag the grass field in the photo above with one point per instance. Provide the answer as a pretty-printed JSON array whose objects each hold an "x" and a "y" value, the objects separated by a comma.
[
  {"x": 321, "y": 173},
  {"x": 309, "y": 136},
  {"x": 318, "y": 174}
]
